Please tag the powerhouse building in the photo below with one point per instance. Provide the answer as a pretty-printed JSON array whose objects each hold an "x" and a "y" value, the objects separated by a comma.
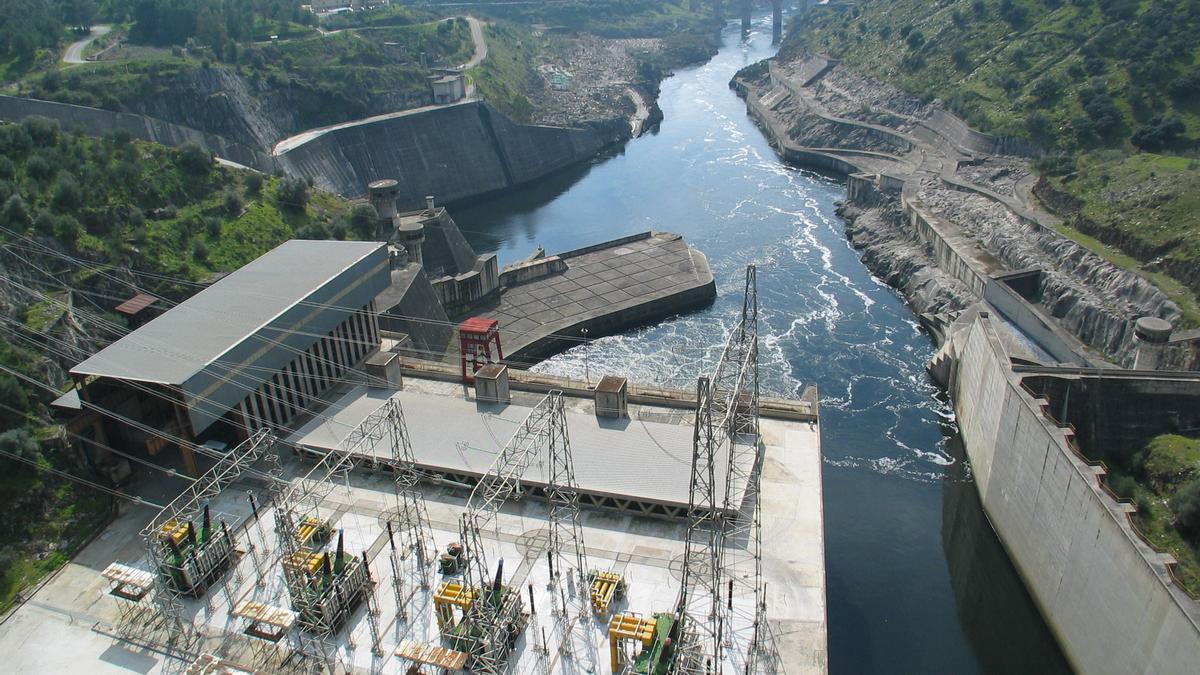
[{"x": 253, "y": 349}]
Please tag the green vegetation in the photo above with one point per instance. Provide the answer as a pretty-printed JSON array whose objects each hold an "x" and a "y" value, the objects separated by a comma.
[
  {"x": 113, "y": 203},
  {"x": 325, "y": 78},
  {"x": 1164, "y": 481},
  {"x": 507, "y": 76},
  {"x": 1100, "y": 84},
  {"x": 606, "y": 18}
]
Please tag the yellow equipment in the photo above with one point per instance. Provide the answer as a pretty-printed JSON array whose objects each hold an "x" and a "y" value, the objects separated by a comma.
[
  {"x": 605, "y": 587},
  {"x": 628, "y": 627},
  {"x": 450, "y": 594}
]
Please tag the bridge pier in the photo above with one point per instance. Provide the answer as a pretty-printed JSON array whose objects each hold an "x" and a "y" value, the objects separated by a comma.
[
  {"x": 746, "y": 7},
  {"x": 776, "y": 21}
]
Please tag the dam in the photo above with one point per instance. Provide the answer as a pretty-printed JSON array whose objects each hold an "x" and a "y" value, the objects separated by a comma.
[{"x": 903, "y": 594}]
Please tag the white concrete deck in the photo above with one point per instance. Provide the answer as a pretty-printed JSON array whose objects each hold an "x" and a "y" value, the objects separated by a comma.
[{"x": 70, "y": 623}]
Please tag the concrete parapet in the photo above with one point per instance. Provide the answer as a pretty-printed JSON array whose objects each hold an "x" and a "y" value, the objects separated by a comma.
[{"x": 531, "y": 270}]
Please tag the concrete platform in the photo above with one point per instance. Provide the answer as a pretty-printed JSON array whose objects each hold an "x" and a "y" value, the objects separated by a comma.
[
  {"x": 637, "y": 464},
  {"x": 73, "y": 624},
  {"x": 606, "y": 288}
]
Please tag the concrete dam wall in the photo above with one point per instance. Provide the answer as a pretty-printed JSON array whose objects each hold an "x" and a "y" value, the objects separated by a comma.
[
  {"x": 1105, "y": 593},
  {"x": 454, "y": 152}
]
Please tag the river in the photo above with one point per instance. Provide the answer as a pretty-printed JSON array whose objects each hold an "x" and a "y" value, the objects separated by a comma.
[{"x": 917, "y": 580}]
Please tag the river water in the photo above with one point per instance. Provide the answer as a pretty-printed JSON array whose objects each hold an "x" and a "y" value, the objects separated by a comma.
[{"x": 917, "y": 580}]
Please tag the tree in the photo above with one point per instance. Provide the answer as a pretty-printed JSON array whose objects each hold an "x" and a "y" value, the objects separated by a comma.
[
  {"x": 254, "y": 183},
  {"x": 195, "y": 160},
  {"x": 292, "y": 194},
  {"x": 18, "y": 442},
  {"x": 67, "y": 195},
  {"x": 1158, "y": 134},
  {"x": 363, "y": 220},
  {"x": 13, "y": 397},
  {"x": 16, "y": 214}
]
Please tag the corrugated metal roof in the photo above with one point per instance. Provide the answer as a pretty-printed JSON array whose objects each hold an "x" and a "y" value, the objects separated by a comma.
[
  {"x": 622, "y": 458},
  {"x": 136, "y": 304},
  {"x": 181, "y": 342}
]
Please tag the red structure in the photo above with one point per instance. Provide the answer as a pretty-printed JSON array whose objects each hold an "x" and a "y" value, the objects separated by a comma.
[{"x": 475, "y": 338}]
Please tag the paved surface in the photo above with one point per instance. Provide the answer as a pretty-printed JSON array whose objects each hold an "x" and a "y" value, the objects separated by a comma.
[
  {"x": 602, "y": 291},
  {"x": 74, "y": 53},
  {"x": 68, "y": 626},
  {"x": 481, "y": 48}
]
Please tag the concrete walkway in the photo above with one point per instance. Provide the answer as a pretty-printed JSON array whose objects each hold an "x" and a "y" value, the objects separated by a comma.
[{"x": 74, "y": 53}]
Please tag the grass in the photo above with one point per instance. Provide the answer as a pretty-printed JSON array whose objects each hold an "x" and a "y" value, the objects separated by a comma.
[
  {"x": 507, "y": 76},
  {"x": 1162, "y": 470}
]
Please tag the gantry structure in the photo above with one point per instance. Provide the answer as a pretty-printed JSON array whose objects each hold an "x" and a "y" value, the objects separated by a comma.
[
  {"x": 184, "y": 558},
  {"x": 721, "y": 613},
  {"x": 493, "y": 615}
]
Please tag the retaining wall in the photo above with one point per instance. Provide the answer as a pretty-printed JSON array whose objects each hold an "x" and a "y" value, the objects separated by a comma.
[
  {"x": 97, "y": 122},
  {"x": 1105, "y": 594}
]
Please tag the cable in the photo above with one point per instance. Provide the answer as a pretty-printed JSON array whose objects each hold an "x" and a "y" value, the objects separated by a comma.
[{"x": 82, "y": 481}]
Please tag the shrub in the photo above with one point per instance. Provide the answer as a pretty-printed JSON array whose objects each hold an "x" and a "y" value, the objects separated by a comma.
[
  {"x": 194, "y": 160},
  {"x": 254, "y": 183},
  {"x": 1157, "y": 134},
  {"x": 292, "y": 194},
  {"x": 18, "y": 442},
  {"x": 232, "y": 204},
  {"x": 362, "y": 221},
  {"x": 200, "y": 251},
  {"x": 16, "y": 214},
  {"x": 68, "y": 197},
  {"x": 1122, "y": 485},
  {"x": 1186, "y": 506}
]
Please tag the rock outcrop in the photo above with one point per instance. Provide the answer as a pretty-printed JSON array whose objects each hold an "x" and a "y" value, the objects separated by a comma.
[{"x": 815, "y": 111}]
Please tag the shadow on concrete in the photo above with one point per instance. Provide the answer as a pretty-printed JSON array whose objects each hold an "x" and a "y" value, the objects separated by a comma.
[{"x": 123, "y": 657}]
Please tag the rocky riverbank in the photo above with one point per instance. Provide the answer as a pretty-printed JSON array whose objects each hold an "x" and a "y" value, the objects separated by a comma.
[{"x": 925, "y": 161}]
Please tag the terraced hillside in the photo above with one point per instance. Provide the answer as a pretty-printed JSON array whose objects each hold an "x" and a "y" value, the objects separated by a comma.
[{"x": 1110, "y": 89}]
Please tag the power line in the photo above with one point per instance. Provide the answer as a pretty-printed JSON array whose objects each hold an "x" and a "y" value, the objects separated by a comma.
[{"x": 81, "y": 481}]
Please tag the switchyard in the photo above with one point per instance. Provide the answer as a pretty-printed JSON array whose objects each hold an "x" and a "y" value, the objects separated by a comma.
[{"x": 434, "y": 527}]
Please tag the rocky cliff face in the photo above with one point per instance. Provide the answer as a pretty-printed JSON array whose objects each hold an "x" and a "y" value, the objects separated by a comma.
[
  {"x": 1092, "y": 298},
  {"x": 893, "y": 253},
  {"x": 253, "y": 111}
]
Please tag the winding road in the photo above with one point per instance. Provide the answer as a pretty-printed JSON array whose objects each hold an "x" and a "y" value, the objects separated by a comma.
[
  {"x": 481, "y": 51},
  {"x": 481, "y": 48},
  {"x": 74, "y": 53}
]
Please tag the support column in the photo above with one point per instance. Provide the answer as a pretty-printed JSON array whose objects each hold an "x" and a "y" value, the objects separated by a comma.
[
  {"x": 189, "y": 456},
  {"x": 776, "y": 21},
  {"x": 746, "y": 6}
]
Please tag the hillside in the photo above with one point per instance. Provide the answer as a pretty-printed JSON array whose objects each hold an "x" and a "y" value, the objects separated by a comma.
[
  {"x": 84, "y": 224},
  {"x": 1109, "y": 88}
]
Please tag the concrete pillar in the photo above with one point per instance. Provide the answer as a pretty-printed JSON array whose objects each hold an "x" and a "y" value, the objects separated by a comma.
[
  {"x": 776, "y": 21},
  {"x": 746, "y": 7},
  {"x": 383, "y": 195},
  {"x": 717, "y": 9},
  {"x": 1151, "y": 334}
]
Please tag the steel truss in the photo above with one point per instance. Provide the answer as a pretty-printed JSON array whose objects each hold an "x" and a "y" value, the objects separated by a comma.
[
  {"x": 306, "y": 497},
  {"x": 416, "y": 543},
  {"x": 187, "y": 507},
  {"x": 721, "y": 604},
  {"x": 495, "y": 617}
]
